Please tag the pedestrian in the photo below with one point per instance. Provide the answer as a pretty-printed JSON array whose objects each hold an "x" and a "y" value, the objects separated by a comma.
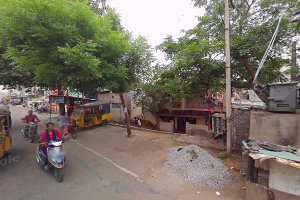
[
  {"x": 139, "y": 122},
  {"x": 62, "y": 119},
  {"x": 136, "y": 122}
]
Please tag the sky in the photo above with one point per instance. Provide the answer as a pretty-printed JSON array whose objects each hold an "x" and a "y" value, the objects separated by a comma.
[{"x": 155, "y": 19}]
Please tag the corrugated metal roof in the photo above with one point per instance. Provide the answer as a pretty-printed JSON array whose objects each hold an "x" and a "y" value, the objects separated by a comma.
[{"x": 290, "y": 154}]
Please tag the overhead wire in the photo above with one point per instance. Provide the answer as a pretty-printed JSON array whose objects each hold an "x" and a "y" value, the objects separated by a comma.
[{"x": 271, "y": 43}]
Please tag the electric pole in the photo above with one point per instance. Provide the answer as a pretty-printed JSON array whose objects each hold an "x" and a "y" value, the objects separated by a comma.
[
  {"x": 228, "y": 78},
  {"x": 294, "y": 68}
]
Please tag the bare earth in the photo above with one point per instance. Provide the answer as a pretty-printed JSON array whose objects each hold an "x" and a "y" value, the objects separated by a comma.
[{"x": 104, "y": 164}]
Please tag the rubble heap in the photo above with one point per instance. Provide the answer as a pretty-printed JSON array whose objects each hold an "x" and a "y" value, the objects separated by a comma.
[{"x": 197, "y": 166}]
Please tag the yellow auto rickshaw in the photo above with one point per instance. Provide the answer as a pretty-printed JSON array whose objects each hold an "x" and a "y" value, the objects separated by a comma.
[
  {"x": 92, "y": 114},
  {"x": 5, "y": 138}
]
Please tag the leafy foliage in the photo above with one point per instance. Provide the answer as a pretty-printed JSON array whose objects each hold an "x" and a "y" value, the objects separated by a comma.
[
  {"x": 14, "y": 76},
  {"x": 197, "y": 58},
  {"x": 64, "y": 43},
  {"x": 200, "y": 52}
]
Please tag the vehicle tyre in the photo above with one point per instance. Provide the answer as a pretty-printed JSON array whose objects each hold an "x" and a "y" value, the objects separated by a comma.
[
  {"x": 105, "y": 122},
  {"x": 59, "y": 174},
  {"x": 32, "y": 138},
  {"x": 10, "y": 121},
  {"x": 73, "y": 133}
]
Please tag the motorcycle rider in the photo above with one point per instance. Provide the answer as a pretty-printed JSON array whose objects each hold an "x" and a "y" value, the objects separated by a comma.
[
  {"x": 29, "y": 118},
  {"x": 48, "y": 135}
]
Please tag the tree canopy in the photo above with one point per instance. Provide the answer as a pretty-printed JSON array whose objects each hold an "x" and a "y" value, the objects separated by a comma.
[
  {"x": 63, "y": 43},
  {"x": 201, "y": 49},
  {"x": 197, "y": 58}
]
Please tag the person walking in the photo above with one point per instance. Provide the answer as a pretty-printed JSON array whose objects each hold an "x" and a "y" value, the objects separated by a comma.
[
  {"x": 63, "y": 123},
  {"x": 136, "y": 122}
]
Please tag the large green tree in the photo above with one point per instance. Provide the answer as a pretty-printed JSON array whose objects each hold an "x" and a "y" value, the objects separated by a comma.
[
  {"x": 253, "y": 22},
  {"x": 64, "y": 43},
  {"x": 14, "y": 76},
  {"x": 197, "y": 58},
  {"x": 136, "y": 63}
]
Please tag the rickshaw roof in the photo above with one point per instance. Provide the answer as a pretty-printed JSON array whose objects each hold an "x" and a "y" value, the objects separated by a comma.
[{"x": 4, "y": 110}]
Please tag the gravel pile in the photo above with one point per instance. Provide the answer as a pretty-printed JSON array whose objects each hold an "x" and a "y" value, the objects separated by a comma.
[{"x": 198, "y": 166}]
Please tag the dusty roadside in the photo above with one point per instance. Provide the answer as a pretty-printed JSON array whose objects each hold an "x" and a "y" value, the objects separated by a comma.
[{"x": 145, "y": 154}]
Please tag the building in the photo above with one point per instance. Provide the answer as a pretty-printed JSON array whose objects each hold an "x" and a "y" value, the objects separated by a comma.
[
  {"x": 190, "y": 116},
  {"x": 271, "y": 156},
  {"x": 116, "y": 105}
]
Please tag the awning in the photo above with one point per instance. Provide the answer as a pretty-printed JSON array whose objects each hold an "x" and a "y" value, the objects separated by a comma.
[
  {"x": 262, "y": 151},
  {"x": 37, "y": 100}
]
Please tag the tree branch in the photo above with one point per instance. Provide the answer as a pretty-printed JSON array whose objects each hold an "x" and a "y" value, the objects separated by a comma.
[
  {"x": 244, "y": 62},
  {"x": 242, "y": 85}
]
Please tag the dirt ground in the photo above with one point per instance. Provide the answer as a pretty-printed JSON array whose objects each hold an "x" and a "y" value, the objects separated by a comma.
[{"x": 145, "y": 154}]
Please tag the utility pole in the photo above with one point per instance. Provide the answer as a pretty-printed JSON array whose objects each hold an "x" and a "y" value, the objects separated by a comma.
[
  {"x": 294, "y": 68},
  {"x": 228, "y": 78}
]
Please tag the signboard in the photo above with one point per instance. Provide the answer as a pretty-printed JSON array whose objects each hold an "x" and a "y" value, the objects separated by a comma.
[{"x": 56, "y": 99}]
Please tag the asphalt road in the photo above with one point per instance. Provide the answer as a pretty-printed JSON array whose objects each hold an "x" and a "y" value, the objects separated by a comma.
[
  {"x": 87, "y": 176},
  {"x": 101, "y": 164}
]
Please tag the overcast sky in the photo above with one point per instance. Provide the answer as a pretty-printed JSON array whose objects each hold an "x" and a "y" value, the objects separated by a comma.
[{"x": 156, "y": 19}]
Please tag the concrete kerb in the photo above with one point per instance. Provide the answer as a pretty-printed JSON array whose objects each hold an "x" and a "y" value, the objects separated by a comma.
[{"x": 140, "y": 129}]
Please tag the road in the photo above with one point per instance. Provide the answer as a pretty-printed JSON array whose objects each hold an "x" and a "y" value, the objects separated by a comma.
[{"x": 101, "y": 164}]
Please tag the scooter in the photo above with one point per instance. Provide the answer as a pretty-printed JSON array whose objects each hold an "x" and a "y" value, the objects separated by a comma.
[{"x": 54, "y": 161}]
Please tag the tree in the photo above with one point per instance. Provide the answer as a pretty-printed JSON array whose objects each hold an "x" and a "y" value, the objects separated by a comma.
[
  {"x": 14, "y": 76},
  {"x": 98, "y": 6},
  {"x": 159, "y": 89},
  {"x": 253, "y": 22},
  {"x": 136, "y": 64},
  {"x": 64, "y": 43}
]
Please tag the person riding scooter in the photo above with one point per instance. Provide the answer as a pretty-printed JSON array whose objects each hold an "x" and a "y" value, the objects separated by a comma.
[{"x": 48, "y": 135}]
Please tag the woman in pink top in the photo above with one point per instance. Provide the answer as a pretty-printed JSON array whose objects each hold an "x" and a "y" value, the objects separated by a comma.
[{"x": 49, "y": 134}]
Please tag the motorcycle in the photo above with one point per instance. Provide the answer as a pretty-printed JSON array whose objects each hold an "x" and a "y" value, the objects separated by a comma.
[
  {"x": 30, "y": 131},
  {"x": 54, "y": 161}
]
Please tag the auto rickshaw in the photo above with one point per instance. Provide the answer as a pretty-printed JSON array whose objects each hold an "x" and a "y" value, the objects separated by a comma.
[
  {"x": 92, "y": 114},
  {"x": 5, "y": 138}
]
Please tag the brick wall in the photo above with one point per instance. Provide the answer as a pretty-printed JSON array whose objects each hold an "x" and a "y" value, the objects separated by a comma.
[{"x": 241, "y": 127}]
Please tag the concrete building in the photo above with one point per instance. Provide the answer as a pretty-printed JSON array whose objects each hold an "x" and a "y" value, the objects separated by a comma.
[
  {"x": 190, "y": 116},
  {"x": 271, "y": 157},
  {"x": 116, "y": 105}
]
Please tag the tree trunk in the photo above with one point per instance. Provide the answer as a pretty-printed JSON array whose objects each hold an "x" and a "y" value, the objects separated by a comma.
[
  {"x": 259, "y": 89},
  {"x": 126, "y": 114},
  {"x": 61, "y": 106}
]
